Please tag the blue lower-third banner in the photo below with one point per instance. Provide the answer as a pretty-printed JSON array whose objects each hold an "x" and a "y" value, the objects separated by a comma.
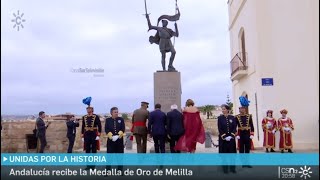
[{"x": 28, "y": 159}]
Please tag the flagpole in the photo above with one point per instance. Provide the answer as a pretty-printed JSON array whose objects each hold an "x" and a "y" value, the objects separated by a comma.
[{"x": 174, "y": 38}]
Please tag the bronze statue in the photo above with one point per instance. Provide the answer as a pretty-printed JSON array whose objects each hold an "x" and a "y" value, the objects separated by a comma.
[{"x": 163, "y": 37}]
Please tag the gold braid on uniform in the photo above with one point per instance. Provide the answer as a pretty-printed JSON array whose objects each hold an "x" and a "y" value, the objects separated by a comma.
[
  {"x": 94, "y": 118},
  {"x": 85, "y": 124},
  {"x": 241, "y": 125},
  {"x": 85, "y": 121},
  {"x": 92, "y": 123}
]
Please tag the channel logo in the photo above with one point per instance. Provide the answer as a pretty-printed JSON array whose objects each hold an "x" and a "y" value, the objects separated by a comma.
[
  {"x": 305, "y": 172},
  {"x": 292, "y": 173}
]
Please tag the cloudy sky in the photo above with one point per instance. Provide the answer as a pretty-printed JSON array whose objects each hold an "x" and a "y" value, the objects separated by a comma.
[{"x": 59, "y": 36}]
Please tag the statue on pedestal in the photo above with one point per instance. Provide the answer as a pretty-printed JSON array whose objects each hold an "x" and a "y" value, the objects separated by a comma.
[{"x": 164, "y": 35}]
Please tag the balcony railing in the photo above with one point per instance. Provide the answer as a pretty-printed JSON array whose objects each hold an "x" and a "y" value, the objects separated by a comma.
[{"x": 238, "y": 63}]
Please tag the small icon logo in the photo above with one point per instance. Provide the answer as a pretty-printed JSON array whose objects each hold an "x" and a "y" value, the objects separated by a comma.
[
  {"x": 305, "y": 172},
  {"x": 5, "y": 159},
  {"x": 18, "y": 20}
]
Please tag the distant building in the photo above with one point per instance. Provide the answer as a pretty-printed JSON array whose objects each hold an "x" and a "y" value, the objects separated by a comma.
[{"x": 275, "y": 62}]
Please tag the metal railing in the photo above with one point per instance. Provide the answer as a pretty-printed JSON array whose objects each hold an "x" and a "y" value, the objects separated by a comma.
[{"x": 238, "y": 62}]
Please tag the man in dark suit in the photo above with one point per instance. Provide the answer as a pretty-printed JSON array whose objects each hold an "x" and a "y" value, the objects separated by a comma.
[
  {"x": 157, "y": 128},
  {"x": 115, "y": 129},
  {"x": 175, "y": 127},
  {"x": 72, "y": 125},
  {"x": 41, "y": 130}
]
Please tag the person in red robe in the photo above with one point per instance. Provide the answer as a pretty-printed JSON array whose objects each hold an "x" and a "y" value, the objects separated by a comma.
[
  {"x": 269, "y": 126},
  {"x": 194, "y": 130},
  {"x": 285, "y": 127}
]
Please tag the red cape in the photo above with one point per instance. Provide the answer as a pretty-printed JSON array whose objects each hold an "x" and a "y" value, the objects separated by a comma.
[{"x": 194, "y": 132}]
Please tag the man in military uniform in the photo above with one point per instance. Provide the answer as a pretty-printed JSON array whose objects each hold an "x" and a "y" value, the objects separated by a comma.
[
  {"x": 90, "y": 132},
  {"x": 139, "y": 128},
  {"x": 115, "y": 129},
  {"x": 245, "y": 131},
  {"x": 227, "y": 127}
]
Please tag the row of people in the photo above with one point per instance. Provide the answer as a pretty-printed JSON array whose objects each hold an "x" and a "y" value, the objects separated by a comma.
[
  {"x": 270, "y": 126},
  {"x": 184, "y": 129},
  {"x": 230, "y": 128},
  {"x": 240, "y": 127},
  {"x": 174, "y": 124}
]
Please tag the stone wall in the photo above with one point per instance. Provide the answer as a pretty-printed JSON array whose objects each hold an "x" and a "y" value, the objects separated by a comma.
[
  {"x": 211, "y": 125},
  {"x": 13, "y": 135}
]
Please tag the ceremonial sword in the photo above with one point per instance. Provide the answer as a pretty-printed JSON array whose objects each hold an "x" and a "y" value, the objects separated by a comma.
[{"x": 145, "y": 7}]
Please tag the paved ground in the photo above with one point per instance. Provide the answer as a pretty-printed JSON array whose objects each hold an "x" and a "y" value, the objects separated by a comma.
[{"x": 201, "y": 148}]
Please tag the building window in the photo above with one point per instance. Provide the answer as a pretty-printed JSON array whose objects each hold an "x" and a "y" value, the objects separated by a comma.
[{"x": 242, "y": 46}]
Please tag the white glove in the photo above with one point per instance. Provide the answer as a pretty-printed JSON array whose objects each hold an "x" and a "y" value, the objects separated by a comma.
[
  {"x": 238, "y": 137},
  {"x": 228, "y": 138},
  {"x": 97, "y": 138},
  {"x": 82, "y": 139},
  {"x": 273, "y": 131},
  {"x": 251, "y": 137},
  {"x": 114, "y": 138}
]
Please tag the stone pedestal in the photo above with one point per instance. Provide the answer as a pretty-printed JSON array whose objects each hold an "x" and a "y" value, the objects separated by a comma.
[
  {"x": 167, "y": 89},
  {"x": 128, "y": 142},
  {"x": 208, "y": 142}
]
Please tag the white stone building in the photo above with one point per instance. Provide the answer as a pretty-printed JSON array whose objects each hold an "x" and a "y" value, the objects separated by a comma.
[{"x": 277, "y": 39}]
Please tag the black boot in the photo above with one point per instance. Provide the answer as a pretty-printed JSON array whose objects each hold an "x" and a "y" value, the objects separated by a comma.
[
  {"x": 282, "y": 151},
  {"x": 272, "y": 150},
  {"x": 267, "y": 150},
  {"x": 163, "y": 65},
  {"x": 170, "y": 67},
  {"x": 290, "y": 151}
]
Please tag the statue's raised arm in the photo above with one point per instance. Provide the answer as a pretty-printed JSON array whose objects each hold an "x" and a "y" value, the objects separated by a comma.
[{"x": 150, "y": 27}]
